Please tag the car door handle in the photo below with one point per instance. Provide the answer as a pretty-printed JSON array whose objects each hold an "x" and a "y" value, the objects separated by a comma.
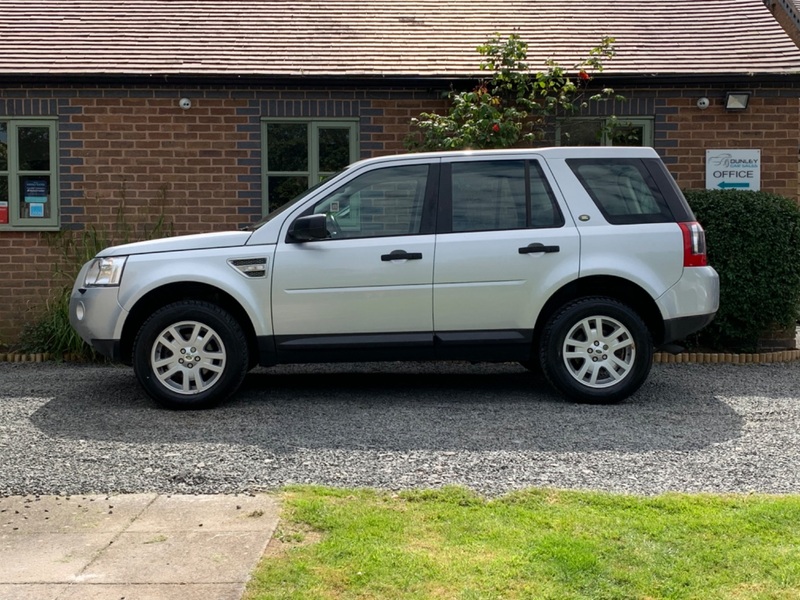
[
  {"x": 401, "y": 255},
  {"x": 536, "y": 248}
]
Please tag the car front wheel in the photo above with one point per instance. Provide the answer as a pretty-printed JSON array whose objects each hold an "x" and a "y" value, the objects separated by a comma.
[
  {"x": 190, "y": 355},
  {"x": 596, "y": 350}
]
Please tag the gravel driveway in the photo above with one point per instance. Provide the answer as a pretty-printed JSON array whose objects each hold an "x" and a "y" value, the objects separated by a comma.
[{"x": 71, "y": 429}]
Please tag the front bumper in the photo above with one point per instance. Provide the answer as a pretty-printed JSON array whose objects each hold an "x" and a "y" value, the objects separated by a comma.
[
  {"x": 97, "y": 317},
  {"x": 111, "y": 349}
]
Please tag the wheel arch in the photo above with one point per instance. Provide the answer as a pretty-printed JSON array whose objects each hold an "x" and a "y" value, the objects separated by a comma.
[
  {"x": 617, "y": 288},
  {"x": 174, "y": 292}
]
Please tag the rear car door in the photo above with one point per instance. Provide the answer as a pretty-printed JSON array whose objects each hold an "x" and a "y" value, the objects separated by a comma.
[{"x": 505, "y": 243}]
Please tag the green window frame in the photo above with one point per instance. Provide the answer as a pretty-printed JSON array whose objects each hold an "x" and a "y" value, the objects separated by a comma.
[
  {"x": 636, "y": 131},
  {"x": 298, "y": 153},
  {"x": 29, "y": 186}
]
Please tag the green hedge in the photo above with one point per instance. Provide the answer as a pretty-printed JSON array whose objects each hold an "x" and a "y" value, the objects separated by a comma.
[{"x": 754, "y": 244}]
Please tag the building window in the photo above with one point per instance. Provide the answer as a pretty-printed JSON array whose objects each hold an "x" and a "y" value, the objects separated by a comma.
[
  {"x": 300, "y": 153},
  {"x": 602, "y": 132},
  {"x": 28, "y": 174}
]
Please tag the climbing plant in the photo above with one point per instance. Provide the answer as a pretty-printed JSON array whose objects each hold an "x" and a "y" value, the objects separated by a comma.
[{"x": 514, "y": 105}]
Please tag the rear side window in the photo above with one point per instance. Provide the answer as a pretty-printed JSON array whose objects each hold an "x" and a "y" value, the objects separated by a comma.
[
  {"x": 501, "y": 194},
  {"x": 623, "y": 189}
]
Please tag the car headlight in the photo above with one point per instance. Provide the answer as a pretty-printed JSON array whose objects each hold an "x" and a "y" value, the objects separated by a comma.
[{"x": 105, "y": 271}]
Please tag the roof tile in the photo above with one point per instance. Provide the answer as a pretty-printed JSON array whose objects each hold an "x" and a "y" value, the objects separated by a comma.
[{"x": 389, "y": 38}]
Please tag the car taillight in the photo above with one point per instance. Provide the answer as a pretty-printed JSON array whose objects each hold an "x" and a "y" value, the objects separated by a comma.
[{"x": 694, "y": 245}]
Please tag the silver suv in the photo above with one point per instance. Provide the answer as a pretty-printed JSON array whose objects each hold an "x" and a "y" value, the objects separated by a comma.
[{"x": 575, "y": 261}]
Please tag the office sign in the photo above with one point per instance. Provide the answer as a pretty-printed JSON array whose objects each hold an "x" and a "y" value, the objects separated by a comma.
[{"x": 733, "y": 170}]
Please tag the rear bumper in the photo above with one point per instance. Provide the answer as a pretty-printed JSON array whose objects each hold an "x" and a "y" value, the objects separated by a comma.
[
  {"x": 690, "y": 304},
  {"x": 682, "y": 327}
]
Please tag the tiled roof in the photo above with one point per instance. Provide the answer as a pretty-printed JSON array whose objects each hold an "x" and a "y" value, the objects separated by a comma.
[{"x": 388, "y": 38}]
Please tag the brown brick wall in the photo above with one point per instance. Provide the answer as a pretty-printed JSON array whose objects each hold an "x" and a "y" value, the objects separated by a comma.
[
  {"x": 146, "y": 153},
  {"x": 786, "y": 20},
  {"x": 683, "y": 132},
  {"x": 132, "y": 152},
  {"x": 132, "y": 149},
  {"x": 394, "y": 121},
  {"x": 771, "y": 123},
  {"x": 26, "y": 269}
]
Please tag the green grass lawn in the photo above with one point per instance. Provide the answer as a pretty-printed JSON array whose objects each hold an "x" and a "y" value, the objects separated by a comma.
[{"x": 451, "y": 543}]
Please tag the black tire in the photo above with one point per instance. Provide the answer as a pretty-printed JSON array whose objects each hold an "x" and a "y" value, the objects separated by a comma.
[
  {"x": 190, "y": 355},
  {"x": 596, "y": 350}
]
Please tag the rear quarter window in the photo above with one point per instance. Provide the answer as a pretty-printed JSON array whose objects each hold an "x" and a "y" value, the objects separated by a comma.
[{"x": 623, "y": 189}]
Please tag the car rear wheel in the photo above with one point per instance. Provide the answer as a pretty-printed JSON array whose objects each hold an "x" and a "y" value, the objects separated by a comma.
[
  {"x": 596, "y": 350},
  {"x": 190, "y": 355}
]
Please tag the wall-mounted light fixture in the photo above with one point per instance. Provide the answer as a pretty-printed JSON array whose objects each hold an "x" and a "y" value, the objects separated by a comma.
[{"x": 737, "y": 100}]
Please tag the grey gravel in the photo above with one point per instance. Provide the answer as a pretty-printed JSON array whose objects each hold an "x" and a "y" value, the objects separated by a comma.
[{"x": 76, "y": 429}]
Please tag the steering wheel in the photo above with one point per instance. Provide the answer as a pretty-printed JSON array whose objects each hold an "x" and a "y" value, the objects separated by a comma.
[{"x": 333, "y": 226}]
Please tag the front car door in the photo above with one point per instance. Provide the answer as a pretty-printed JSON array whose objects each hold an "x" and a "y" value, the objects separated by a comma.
[
  {"x": 504, "y": 245},
  {"x": 366, "y": 291}
]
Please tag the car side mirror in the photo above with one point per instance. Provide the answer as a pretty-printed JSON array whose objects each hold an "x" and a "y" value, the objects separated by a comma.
[{"x": 309, "y": 228}]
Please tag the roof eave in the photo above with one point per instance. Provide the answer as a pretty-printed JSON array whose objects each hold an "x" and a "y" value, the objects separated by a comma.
[{"x": 378, "y": 80}]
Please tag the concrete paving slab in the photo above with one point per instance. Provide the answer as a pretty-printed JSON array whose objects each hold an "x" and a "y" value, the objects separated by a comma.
[
  {"x": 178, "y": 557},
  {"x": 71, "y": 514},
  {"x": 207, "y": 513},
  {"x": 33, "y": 591},
  {"x": 49, "y": 557},
  {"x": 151, "y": 592},
  {"x": 140, "y": 547}
]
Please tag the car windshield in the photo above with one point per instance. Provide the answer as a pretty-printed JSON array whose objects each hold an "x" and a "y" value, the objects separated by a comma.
[{"x": 288, "y": 205}]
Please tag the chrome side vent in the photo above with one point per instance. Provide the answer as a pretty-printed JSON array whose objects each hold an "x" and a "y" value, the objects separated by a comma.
[{"x": 250, "y": 267}]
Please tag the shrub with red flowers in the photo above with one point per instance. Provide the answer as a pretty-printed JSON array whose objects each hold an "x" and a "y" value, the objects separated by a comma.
[{"x": 514, "y": 106}]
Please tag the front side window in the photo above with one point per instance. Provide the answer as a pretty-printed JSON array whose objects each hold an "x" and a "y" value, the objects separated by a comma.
[
  {"x": 382, "y": 202},
  {"x": 623, "y": 190},
  {"x": 28, "y": 174},
  {"x": 298, "y": 154},
  {"x": 502, "y": 194}
]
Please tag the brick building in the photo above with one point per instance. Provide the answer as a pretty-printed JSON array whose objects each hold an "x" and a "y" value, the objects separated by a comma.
[
  {"x": 787, "y": 13},
  {"x": 213, "y": 110}
]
